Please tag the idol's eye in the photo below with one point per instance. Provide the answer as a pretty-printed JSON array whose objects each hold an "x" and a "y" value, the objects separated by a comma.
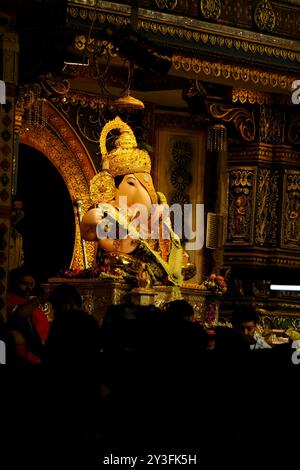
[{"x": 131, "y": 182}]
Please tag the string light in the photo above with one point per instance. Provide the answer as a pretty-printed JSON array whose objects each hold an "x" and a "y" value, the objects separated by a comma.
[{"x": 217, "y": 138}]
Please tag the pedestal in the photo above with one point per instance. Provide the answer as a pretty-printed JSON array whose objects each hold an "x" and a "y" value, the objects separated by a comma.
[
  {"x": 141, "y": 296},
  {"x": 98, "y": 294}
]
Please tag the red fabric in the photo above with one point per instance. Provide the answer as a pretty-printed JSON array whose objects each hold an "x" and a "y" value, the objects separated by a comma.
[
  {"x": 22, "y": 351},
  {"x": 39, "y": 319},
  {"x": 41, "y": 323},
  {"x": 13, "y": 300}
]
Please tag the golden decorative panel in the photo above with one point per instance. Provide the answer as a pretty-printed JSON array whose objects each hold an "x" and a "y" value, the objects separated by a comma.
[
  {"x": 290, "y": 236},
  {"x": 264, "y": 16},
  {"x": 211, "y": 9},
  {"x": 59, "y": 142},
  {"x": 271, "y": 125},
  {"x": 242, "y": 119},
  {"x": 181, "y": 155},
  {"x": 285, "y": 154},
  {"x": 265, "y": 153},
  {"x": 258, "y": 259},
  {"x": 166, "y": 4},
  {"x": 218, "y": 71},
  {"x": 92, "y": 45},
  {"x": 266, "y": 223},
  {"x": 244, "y": 95},
  {"x": 171, "y": 26},
  {"x": 179, "y": 168},
  {"x": 241, "y": 201}
]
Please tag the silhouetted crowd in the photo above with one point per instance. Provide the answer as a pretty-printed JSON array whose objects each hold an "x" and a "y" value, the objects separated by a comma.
[{"x": 148, "y": 380}]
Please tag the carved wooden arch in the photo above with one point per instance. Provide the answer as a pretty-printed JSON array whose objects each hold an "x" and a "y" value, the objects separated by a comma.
[{"x": 59, "y": 142}]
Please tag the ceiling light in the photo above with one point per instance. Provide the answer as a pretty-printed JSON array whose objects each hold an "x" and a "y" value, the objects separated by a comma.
[
  {"x": 286, "y": 287},
  {"x": 129, "y": 102}
]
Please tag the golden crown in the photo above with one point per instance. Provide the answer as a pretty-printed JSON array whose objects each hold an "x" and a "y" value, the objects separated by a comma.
[{"x": 125, "y": 158}]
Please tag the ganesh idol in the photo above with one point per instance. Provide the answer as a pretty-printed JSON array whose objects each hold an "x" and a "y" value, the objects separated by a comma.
[{"x": 129, "y": 220}]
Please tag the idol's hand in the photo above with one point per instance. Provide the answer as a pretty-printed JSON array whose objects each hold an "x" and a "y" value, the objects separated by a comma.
[{"x": 89, "y": 223}]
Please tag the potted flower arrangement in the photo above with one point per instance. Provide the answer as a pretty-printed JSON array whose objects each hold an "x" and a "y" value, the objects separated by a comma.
[{"x": 215, "y": 284}]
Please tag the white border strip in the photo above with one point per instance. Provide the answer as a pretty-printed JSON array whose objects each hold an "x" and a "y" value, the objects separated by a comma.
[{"x": 287, "y": 287}]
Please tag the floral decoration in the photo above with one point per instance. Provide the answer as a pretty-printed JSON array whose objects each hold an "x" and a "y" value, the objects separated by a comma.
[
  {"x": 97, "y": 272},
  {"x": 215, "y": 284}
]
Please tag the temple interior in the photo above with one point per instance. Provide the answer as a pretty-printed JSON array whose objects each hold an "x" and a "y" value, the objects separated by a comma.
[{"x": 191, "y": 105}]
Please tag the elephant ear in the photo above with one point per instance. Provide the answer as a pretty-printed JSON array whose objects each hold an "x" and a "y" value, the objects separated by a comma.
[
  {"x": 161, "y": 198},
  {"x": 102, "y": 188}
]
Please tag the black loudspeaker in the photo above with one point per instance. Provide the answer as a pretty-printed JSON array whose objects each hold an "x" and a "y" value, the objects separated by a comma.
[
  {"x": 214, "y": 230},
  {"x": 139, "y": 49}
]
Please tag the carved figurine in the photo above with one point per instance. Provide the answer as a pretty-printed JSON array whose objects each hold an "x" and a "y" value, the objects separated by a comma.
[
  {"x": 294, "y": 216},
  {"x": 239, "y": 214},
  {"x": 144, "y": 281},
  {"x": 128, "y": 219}
]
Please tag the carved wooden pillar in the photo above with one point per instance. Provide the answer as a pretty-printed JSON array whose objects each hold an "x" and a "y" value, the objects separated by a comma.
[
  {"x": 9, "y": 48},
  {"x": 263, "y": 229},
  {"x": 217, "y": 145}
]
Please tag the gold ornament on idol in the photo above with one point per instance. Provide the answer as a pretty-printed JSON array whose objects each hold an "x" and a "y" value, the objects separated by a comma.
[
  {"x": 102, "y": 188},
  {"x": 126, "y": 157}
]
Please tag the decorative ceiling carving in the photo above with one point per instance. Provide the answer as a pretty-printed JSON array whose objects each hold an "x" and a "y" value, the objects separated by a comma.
[
  {"x": 242, "y": 119},
  {"x": 219, "y": 71},
  {"x": 244, "y": 95},
  {"x": 239, "y": 14},
  {"x": 211, "y": 9},
  {"x": 264, "y": 16},
  {"x": 166, "y": 4},
  {"x": 178, "y": 33}
]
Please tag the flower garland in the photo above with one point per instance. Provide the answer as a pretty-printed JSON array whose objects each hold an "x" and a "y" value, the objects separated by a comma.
[{"x": 97, "y": 272}]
